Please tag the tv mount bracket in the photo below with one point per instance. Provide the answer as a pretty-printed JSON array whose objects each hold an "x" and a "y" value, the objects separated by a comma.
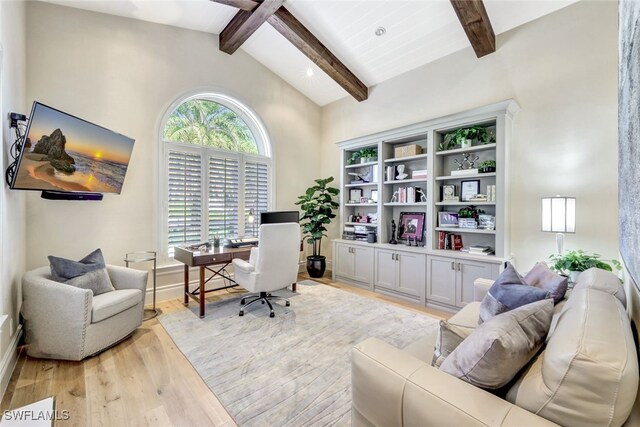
[{"x": 17, "y": 122}]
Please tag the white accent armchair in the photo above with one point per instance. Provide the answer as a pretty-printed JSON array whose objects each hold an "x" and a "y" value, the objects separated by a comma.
[
  {"x": 65, "y": 322},
  {"x": 272, "y": 266}
]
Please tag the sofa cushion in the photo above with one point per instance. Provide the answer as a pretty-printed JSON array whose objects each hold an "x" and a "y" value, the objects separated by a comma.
[
  {"x": 64, "y": 269},
  {"x": 112, "y": 303},
  {"x": 542, "y": 277},
  {"x": 588, "y": 373},
  {"x": 449, "y": 337},
  {"x": 496, "y": 351},
  {"x": 98, "y": 281},
  {"x": 467, "y": 316},
  {"x": 605, "y": 281},
  {"x": 509, "y": 291},
  {"x": 423, "y": 348}
]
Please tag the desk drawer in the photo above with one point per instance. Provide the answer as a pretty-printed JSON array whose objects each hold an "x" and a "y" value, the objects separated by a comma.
[
  {"x": 212, "y": 259},
  {"x": 245, "y": 255}
]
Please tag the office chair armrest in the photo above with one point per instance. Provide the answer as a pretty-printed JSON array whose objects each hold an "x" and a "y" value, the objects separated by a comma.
[{"x": 243, "y": 265}]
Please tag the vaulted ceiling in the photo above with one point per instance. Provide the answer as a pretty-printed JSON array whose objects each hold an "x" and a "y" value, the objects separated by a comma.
[{"x": 417, "y": 32}]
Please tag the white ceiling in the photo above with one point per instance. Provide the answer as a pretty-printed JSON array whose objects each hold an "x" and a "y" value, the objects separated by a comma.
[{"x": 418, "y": 32}]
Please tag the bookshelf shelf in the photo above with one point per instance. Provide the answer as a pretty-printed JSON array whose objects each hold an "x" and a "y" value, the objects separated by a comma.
[
  {"x": 364, "y": 184},
  {"x": 473, "y": 149},
  {"x": 406, "y": 181},
  {"x": 407, "y": 159},
  {"x": 465, "y": 230},
  {"x": 465, "y": 203},
  {"x": 360, "y": 165},
  {"x": 475, "y": 175}
]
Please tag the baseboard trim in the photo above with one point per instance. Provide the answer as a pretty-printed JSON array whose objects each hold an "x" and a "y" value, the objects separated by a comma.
[{"x": 9, "y": 360}]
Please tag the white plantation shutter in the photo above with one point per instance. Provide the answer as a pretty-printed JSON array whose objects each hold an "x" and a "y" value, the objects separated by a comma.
[
  {"x": 223, "y": 197},
  {"x": 256, "y": 193},
  {"x": 184, "y": 201}
]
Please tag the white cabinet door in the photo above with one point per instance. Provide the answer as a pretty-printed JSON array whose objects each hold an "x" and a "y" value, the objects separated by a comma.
[
  {"x": 363, "y": 264},
  {"x": 385, "y": 269},
  {"x": 468, "y": 272},
  {"x": 411, "y": 273},
  {"x": 441, "y": 283},
  {"x": 344, "y": 260}
]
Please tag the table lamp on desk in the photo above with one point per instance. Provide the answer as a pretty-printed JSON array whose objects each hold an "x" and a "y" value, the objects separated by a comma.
[{"x": 251, "y": 219}]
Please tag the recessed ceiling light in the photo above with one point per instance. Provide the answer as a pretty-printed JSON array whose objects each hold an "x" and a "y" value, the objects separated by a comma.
[
  {"x": 309, "y": 71},
  {"x": 380, "y": 31}
]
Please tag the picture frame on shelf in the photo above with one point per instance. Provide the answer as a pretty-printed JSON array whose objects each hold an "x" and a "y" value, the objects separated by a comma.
[
  {"x": 364, "y": 200},
  {"x": 374, "y": 196},
  {"x": 448, "y": 193},
  {"x": 355, "y": 194},
  {"x": 412, "y": 224},
  {"x": 469, "y": 188},
  {"x": 448, "y": 219}
]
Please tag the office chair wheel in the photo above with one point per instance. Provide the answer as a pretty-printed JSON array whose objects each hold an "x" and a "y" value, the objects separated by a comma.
[
  {"x": 241, "y": 313},
  {"x": 272, "y": 314},
  {"x": 262, "y": 301},
  {"x": 287, "y": 304}
]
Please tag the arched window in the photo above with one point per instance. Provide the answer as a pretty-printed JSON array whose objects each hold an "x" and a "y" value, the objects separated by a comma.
[{"x": 217, "y": 168}]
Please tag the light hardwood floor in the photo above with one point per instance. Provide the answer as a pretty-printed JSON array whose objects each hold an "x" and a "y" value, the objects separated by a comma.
[{"x": 142, "y": 381}]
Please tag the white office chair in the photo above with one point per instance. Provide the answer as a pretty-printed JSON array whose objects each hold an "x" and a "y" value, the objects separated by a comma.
[{"x": 273, "y": 264}]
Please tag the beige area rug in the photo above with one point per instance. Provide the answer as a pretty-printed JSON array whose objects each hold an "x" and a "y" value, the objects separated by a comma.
[{"x": 294, "y": 369}]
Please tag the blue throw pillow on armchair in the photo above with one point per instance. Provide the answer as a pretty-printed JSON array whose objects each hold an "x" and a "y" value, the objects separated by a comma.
[
  {"x": 88, "y": 273},
  {"x": 509, "y": 291}
]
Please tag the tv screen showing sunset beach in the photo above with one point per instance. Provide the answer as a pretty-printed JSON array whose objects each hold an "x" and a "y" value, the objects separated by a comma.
[{"x": 64, "y": 153}]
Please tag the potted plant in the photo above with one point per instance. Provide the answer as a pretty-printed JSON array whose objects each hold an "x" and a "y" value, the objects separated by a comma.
[
  {"x": 355, "y": 156},
  {"x": 368, "y": 155},
  {"x": 572, "y": 263},
  {"x": 487, "y": 166},
  {"x": 317, "y": 204}
]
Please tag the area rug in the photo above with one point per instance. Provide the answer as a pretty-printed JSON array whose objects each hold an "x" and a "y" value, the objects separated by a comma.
[{"x": 294, "y": 369}]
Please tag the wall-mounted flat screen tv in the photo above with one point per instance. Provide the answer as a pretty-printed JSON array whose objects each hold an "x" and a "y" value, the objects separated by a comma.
[{"x": 64, "y": 153}]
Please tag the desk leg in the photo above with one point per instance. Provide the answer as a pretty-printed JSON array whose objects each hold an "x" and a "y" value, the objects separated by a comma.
[
  {"x": 202, "y": 292},
  {"x": 293, "y": 287},
  {"x": 186, "y": 285}
]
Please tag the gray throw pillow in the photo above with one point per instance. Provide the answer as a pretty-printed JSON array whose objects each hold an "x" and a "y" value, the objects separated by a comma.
[
  {"x": 88, "y": 273},
  {"x": 509, "y": 291},
  {"x": 496, "y": 351},
  {"x": 97, "y": 280},
  {"x": 542, "y": 277},
  {"x": 449, "y": 337},
  {"x": 63, "y": 269}
]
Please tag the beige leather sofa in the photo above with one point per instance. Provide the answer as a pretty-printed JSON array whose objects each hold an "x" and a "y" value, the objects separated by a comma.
[
  {"x": 65, "y": 322},
  {"x": 587, "y": 375}
]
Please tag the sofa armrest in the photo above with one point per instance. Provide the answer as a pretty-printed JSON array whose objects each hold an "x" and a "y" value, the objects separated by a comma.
[
  {"x": 480, "y": 288},
  {"x": 391, "y": 387},
  {"x": 56, "y": 314},
  {"x": 128, "y": 278},
  {"x": 242, "y": 265}
]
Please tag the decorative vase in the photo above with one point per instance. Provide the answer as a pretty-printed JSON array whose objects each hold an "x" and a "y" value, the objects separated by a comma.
[
  {"x": 316, "y": 265},
  {"x": 573, "y": 276},
  {"x": 466, "y": 143}
]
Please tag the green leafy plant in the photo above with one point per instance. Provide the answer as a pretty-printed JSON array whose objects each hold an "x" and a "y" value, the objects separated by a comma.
[
  {"x": 317, "y": 204},
  {"x": 580, "y": 261},
  {"x": 469, "y": 212},
  {"x": 364, "y": 153},
  {"x": 488, "y": 164},
  {"x": 455, "y": 138}
]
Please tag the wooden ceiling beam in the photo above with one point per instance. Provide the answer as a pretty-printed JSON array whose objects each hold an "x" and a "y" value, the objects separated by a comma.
[
  {"x": 248, "y": 5},
  {"x": 245, "y": 23},
  {"x": 294, "y": 31},
  {"x": 475, "y": 21}
]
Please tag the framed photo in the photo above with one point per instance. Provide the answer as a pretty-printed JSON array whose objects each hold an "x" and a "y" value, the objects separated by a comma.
[
  {"x": 447, "y": 219},
  {"x": 412, "y": 224},
  {"x": 469, "y": 188},
  {"x": 448, "y": 192},
  {"x": 355, "y": 194},
  {"x": 374, "y": 196},
  {"x": 364, "y": 200}
]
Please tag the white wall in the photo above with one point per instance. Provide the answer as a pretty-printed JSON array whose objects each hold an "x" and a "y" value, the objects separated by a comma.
[
  {"x": 123, "y": 74},
  {"x": 12, "y": 203},
  {"x": 562, "y": 70}
]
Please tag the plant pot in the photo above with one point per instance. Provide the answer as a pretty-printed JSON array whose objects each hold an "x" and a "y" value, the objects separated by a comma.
[
  {"x": 487, "y": 169},
  {"x": 316, "y": 265},
  {"x": 573, "y": 276},
  {"x": 465, "y": 143}
]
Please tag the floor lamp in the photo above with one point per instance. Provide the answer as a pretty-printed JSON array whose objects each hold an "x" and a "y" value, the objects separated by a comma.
[
  {"x": 251, "y": 219},
  {"x": 559, "y": 216}
]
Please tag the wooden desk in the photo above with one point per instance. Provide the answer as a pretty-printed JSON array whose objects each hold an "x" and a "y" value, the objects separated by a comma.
[{"x": 220, "y": 257}]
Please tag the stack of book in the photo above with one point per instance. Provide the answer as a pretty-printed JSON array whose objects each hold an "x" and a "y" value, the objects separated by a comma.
[
  {"x": 408, "y": 195},
  {"x": 449, "y": 241},
  {"x": 480, "y": 250},
  {"x": 467, "y": 223}
]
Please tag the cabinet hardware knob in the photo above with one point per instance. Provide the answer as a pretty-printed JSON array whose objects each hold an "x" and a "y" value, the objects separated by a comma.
[
  {"x": 459, "y": 267},
  {"x": 453, "y": 265}
]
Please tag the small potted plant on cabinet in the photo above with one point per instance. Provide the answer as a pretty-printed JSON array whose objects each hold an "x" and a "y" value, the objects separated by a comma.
[
  {"x": 368, "y": 155},
  {"x": 317, "y": 204}
]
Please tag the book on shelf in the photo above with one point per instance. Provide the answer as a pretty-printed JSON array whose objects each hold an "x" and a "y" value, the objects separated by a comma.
[
  {"x": 449, "y": 241},
  {"x": 481, "y": 250}
]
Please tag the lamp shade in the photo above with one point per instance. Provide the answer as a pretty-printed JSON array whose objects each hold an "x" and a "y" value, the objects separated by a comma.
[{"x": 559, "y": 214}]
